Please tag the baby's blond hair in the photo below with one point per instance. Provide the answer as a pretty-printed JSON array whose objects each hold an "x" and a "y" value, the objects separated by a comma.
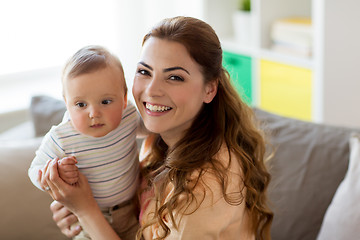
[{"x": 89, "y": 59}]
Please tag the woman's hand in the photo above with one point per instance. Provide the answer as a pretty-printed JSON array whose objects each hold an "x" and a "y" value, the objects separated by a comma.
[
  {"x": 64, "y": 219},
  {"x": 77, "y": 198}
]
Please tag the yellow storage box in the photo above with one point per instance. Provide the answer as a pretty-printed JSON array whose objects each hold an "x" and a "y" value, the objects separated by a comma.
[{"x": 286, "y": 90}]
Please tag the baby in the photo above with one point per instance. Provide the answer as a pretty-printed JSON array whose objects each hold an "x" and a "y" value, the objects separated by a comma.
[{"x": 97, "y": 137}]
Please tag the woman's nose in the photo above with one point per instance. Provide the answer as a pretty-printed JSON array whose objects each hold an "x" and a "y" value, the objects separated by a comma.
[{"x": 154, "y": 87}]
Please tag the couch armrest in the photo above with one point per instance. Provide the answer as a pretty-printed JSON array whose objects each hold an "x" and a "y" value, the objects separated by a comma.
[
  {"x": 11, "y": 119},
  {"x": 25, "y": 212}
]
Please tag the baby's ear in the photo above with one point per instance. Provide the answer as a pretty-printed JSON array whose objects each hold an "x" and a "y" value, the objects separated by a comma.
[{"x": 210, "y": 91}]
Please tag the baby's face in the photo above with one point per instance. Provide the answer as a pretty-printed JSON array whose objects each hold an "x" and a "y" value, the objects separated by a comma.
[{"x": 96, "y": 101}]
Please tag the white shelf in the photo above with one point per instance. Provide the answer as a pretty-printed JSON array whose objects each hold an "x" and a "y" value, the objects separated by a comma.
[
  {"x": 286, "y": 59},
  {"x": 231, "y": 45},
  {"x": 335, "y": 57}
]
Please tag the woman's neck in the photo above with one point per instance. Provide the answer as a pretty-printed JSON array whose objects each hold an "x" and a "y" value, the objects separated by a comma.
[{"x": 170, "y": 141}]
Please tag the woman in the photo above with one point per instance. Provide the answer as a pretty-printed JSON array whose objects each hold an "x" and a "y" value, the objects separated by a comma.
[{"x": 204, "y": 175}]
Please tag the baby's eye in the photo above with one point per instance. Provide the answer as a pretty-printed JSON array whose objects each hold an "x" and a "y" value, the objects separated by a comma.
[
  {"x": 176, "y": 78},
  {"x": 105, "y": 102},
  {"x": 80, "y": 104}
]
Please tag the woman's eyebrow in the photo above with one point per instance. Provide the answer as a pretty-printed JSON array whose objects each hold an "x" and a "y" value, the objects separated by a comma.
[
  {"x": 145, "y": 65},
  {"x": 166, "y": 69},
  {"x": 176, "y": 68}
]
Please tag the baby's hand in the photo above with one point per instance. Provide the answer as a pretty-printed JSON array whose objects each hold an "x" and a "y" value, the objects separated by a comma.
[{"x": 68, "y": 171}]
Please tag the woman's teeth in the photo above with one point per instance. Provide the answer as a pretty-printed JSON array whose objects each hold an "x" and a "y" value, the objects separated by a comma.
[{"x": 156, "y": 108}]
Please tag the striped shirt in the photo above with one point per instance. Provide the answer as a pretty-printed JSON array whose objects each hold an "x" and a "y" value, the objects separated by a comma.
[{"x": 110, "y": 163}]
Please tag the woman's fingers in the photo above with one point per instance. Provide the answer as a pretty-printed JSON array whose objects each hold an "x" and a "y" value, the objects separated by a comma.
[
  {"x": 64, "y": 219},
  {"x": 55, "y": 206},
  {"x": 42, "y": 176},
  {"x": 60, "y": 212},
  {"x": 50, "y": 180},
  {"x": 39, "y": 177},
  {"x": 71, "y": 231},
  {"x": 55, "y": 183}
]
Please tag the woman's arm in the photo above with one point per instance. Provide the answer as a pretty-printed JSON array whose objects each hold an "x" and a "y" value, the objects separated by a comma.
[
  {"x": 97, "y": 226},
  {"x": 78, "y": 199}
]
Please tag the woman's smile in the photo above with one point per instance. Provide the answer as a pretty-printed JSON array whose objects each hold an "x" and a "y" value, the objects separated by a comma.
[{"x": 156, "y": 107}]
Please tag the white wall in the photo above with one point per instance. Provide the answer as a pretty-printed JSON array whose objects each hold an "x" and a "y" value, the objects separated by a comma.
[
  {"x": 38, "y": 36},
  {"x": 342, "y": 77}
]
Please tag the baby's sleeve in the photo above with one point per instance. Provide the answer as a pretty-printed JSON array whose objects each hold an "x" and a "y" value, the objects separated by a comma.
[{"x": 49, "y": 149}]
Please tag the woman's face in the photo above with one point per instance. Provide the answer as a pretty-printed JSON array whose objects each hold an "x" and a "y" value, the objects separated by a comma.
[{"x": 169, "y": 88}]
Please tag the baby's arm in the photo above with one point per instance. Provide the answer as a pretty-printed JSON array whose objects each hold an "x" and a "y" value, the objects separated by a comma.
[{"x": 68, "y": 171}]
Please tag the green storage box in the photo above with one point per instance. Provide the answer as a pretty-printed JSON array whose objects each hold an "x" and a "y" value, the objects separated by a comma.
[{"x": 239, "y": 68}]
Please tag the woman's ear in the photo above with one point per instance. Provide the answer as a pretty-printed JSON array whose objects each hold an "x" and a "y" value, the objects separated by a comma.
[{"x": 210, "y": 91}]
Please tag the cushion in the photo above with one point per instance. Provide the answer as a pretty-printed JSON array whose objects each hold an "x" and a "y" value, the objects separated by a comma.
[
  {"x": 25, "y": 212},
  {"x": 342, "y": 218},
  {"x": 310, "y": 160},
  {"x": 45, "y": 112}
]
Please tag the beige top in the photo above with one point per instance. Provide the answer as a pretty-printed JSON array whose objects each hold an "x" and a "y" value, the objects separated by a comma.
[{"x": 215, "y": 218}]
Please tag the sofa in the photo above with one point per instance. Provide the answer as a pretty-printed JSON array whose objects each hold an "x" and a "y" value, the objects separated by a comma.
[{"x": 308, "y": 165}]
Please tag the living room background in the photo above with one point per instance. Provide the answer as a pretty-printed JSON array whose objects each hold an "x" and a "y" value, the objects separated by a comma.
[{"x": 39, "y": 35}]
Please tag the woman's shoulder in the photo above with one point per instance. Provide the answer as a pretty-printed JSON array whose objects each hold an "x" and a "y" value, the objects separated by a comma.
[
  {"x": 225, "y": 159},
  {"x": 224, "y": 171},
  {"x": 213, "y": 199}
]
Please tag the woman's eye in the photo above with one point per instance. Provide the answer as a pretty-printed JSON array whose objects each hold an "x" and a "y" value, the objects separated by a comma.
[
  {"x": 80, "y": 104},
  {"x": 176, "y": 78},
  {"x": 143, "y": 72},
  {"x": 105, "y": 102}
]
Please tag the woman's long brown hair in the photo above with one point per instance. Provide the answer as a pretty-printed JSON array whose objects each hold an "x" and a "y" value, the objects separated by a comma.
[{"x": 227, "y": 119}]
